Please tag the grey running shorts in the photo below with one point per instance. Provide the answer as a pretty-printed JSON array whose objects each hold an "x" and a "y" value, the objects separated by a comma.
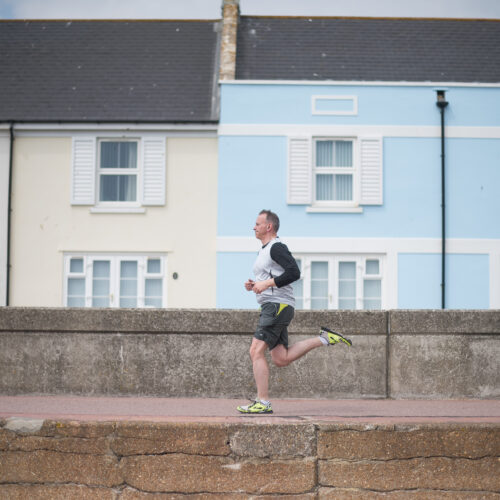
[{"x": 273, "y": 322}]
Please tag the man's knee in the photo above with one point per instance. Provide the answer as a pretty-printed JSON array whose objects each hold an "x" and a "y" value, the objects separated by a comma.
[
  {"x": 279, "y": 356},
  {"x": 257, "y": 349}
]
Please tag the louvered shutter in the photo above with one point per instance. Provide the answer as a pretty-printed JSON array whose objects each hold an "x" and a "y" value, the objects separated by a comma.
[
  {"x": 299, "y": 171},
  {"x": 83, "y": 171},
  {"x": 154, "y": 171},
  {"x": 371, "y": 171}
]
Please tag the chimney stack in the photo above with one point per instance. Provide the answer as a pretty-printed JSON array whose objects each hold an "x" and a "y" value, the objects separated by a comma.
[{"x": 230, "y": 15}]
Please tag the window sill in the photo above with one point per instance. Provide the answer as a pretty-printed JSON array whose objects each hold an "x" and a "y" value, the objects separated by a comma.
[
  {"x": 334, "y": 210},
  {"x": 117, "y": 210}
]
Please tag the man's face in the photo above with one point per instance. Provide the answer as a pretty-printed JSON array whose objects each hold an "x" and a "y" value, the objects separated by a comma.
[{"x": 262, "y": 227}]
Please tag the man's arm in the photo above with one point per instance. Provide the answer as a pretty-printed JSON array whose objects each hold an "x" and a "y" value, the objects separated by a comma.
[{"x": 281, "y": 255}]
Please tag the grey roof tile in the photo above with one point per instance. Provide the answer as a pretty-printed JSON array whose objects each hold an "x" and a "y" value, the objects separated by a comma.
[
  {"x": 108, "y": 70},
  {"x": 344, "y": 49}
]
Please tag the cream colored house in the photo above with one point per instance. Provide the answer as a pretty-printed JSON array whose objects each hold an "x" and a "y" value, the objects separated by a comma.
[{"x": 113, "y": 174}]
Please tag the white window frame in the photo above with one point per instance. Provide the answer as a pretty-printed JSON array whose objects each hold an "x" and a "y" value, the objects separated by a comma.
[
  {"x": 115, "y": 260},
  {"x": 367, "y": 171},
  {"x": 137, "y": 172},
  {"x": 150, "y": 171},
  {"x": 333, "y": 277},
  {"x": 353, "y": 170}
]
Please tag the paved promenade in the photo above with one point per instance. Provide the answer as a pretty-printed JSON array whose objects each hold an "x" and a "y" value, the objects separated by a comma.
[{"x": 224, "y": 410}]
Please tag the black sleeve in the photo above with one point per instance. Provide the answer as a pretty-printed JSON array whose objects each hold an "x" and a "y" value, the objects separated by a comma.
[{"x": 281, "y": 255}]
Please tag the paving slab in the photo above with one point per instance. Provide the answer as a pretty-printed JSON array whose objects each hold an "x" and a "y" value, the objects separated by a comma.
[{"x": 386, "y": 411}]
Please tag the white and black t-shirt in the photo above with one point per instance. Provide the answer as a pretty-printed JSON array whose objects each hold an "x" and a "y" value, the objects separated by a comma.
[{"x": 275, "y": 261}]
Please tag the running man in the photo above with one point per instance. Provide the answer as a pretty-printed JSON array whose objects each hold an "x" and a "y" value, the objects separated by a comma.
[{"x": 275, "y": 270}]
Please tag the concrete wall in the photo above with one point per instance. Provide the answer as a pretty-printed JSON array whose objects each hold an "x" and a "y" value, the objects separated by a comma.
[
  {"x": 45, "y": 226},
  {"x": 204, "y": 353},
  {"x": 143, "y": 460}
]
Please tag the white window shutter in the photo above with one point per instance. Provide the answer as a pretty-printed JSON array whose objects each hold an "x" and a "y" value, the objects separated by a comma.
[
  {"x": 371, "y": 189},
  {"x": 154, "y": 171},
  {"x": 299, "y": 171},
  {"x": 83, "y": 171}
]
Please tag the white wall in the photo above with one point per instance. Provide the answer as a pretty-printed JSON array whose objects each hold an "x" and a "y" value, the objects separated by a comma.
[{"x": 45, "y": 225}]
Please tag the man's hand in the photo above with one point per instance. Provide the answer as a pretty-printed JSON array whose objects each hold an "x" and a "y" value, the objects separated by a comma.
[
  {"x": 249, "y": 284},
  {"x": 260, "y": 286}
]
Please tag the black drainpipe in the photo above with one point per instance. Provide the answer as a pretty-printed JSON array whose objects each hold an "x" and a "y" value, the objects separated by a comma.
[
  {"x": 441, "y": 104},
  {"x": 9, "y": 209}
]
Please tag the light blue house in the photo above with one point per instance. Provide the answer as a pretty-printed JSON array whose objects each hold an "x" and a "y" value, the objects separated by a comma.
[{"x": 335, "y": 124}]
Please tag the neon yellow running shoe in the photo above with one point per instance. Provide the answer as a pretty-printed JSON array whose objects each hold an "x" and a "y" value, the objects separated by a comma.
[
  {"x": 255, "y": 408},
  {"x": 333, "y": 337}
]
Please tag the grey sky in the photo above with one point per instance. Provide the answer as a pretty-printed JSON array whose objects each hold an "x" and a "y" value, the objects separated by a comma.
[{"x": 211, "y": 9}]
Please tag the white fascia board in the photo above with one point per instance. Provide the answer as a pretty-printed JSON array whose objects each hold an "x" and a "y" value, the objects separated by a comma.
[
  {"x": 235, "y": 129},
  {"x": 374, "y": 83},
  {"x": 203, "y": 130},
  {"x": 364, "y": 245}
]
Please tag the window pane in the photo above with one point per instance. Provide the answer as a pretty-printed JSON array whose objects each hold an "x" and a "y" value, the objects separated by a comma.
[
  {"x": 319, "y": 285},
  {"x": 319, "y": 270},
  {"x": 101, "y": 283},
  {"x": 118, "y": 154},
  {"x": 343, "y": 187},
  {"x": 76, "y": 265},
  {"x": 347, "y": 270},
  {"x": 347, "y": 285},
  {"x": 372, "y": 304},
  {"x": 343, "y": 153},
  {"x": 128, "y": 269},
  {"x": 324, "y": 153},
  {"x": 154, "y": 266},
  {"x": 101, "y": 269},
  {"x": 76, "y": 286},
  {"x": 372, "y": 267},
  {"x": 128, "y": 302},
  {"x": 347, "y": 288},
  {"x": 128, "y": 155},
  {"x": 347, "y": 304},
  {"x": 154, "y": 288},
  {"x": 154, "y": 293},
  {"x": 118, "y": 188},
  {"x": 76, "y": 301},
  {"x": 100, "y": 287},
  {"x": 372, "y": 294},
  {"x": 76, "y": 292},
  {"x": 372, "y": 289},
  {"x": 152, "y": 302},
  {"x": 319, "y": 288},
  {"x": 100, "y": 301},
  {"x": 319, "y": 303},
  {"x": 324, "y": 187},
  {"x": 128, "y": 283}
]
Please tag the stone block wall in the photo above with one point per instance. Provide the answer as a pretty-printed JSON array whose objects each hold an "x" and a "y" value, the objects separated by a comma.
[
  {"x": 311, "y": 460},
  {"x": 204, "y": 353}
]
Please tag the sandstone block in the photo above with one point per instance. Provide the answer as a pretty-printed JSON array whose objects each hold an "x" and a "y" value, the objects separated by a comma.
[
  {"x": 419, "y": 473},
  {"x": 354, "y": 494},
  {"x": 55, "y": 467},
  {"x": 137, "y": 438},
  {"x": 422, "y": 441},
  {"x": 194, "y": 474},
  {"x": 130, "y": 494},
  {"x": 281, "y": 440},
  {"x": 63, "y": 492}
]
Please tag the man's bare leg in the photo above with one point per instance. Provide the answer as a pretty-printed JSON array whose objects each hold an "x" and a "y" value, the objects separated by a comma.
[
  {"x": 282, "y": 356},
  {"x": 260, "y": 368}
]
